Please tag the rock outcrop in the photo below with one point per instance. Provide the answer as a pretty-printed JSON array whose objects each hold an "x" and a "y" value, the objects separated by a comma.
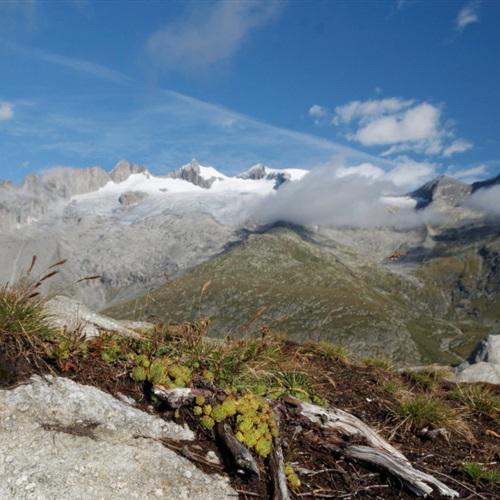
[
  {"x": 123, "y": 170},
  {"x": 260, "y": 171},
  {"x": 192, "y": 173},
  {"x": 71, "y": 315},
  {"x": 60, "y": 440},
  {"x": 443, "y": 191},
  {"x": 130, "y": 198},
  {"x": 483, "y": 365}
]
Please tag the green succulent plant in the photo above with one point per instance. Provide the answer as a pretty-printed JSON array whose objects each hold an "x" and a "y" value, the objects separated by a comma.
[
  {"x": 291, "y": 475},
  {"x": 207, "y": 422}
]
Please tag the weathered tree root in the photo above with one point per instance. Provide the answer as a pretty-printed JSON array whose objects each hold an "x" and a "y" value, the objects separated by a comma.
[
  {"x": 240, "y": 454},
  {"x": 416, "y": 481},
  {"x": 378, "y": 453},
  {"x": 345, "y": 424},
  {"x": 277, "y": 468}
]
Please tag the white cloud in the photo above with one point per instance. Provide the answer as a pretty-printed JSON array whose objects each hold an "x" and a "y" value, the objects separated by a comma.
[
  {"x": 469, "y": 14},
  {"x": 72, "y": 63},
  {"x": 401, "y": 125},
  {"x": 470, "y": 174},
  {"x": 207, "y": 37},
  {"x": 6, "y": 110},
  {"x": 317, "y": 111},
  {"x": 410, "y": 173},
  {"x": 325, "y": 197},
  {"x": 415, "y": 124},
  {"x": 487, "y": 199},
  {"x": 406, "y": 174},
  {"x": 458, "y": 146},
  {"x": 367, "y": 170},
  {"x": 366, "y": 110}
]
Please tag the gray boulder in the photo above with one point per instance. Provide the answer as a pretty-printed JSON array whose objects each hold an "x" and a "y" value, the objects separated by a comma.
[
  {"x": 60, "y": 439},
  {"x": 483, "y": 365}
]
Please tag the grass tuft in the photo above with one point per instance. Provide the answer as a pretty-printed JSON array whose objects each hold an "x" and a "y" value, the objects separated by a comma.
[
  {"x": 382, "y": 363},
  {"x": 417, "y": 412},
  {"x": 478, "y": 472},
  {"x": 479, "y": 400},
  {"x": 333, "y": 352}
]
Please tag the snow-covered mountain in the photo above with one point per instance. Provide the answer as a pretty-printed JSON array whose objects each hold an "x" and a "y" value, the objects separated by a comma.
[
  {"x": 192, "y": 187},
  {"x": 128, "y": 226},
  {"x": 133, "y": 228}
]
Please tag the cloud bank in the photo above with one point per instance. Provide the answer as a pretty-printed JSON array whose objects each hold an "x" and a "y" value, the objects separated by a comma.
[
  {"x": 487, "y": 200},
  {"x": 207, "y": 37},
  {"x": 342, "y": 196}
]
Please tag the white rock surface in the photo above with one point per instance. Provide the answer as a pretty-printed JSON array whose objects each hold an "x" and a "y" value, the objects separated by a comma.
[
  {"x": 71, "y": 315},
  {"x": 480, "y": 372},
  {"x": 42, "y": 458}
]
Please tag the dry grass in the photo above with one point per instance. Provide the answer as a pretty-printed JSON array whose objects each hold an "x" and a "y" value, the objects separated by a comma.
[
  {"x": 382, "y": 363},
  {"x": 479, "y": 400},
  {"x": 415, "y": 412},
  {"x": 333, "y": 352}
]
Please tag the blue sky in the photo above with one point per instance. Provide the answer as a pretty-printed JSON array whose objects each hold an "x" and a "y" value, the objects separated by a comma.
[{"x": 410, "y": 85}]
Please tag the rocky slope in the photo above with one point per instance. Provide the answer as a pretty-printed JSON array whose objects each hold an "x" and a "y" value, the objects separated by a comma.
[{"x": 294, "y": 282}]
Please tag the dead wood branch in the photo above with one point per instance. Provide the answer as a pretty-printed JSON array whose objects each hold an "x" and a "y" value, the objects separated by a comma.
[
  {"x": 238, "y": 453},
  {"x": 417, "y": 481}
]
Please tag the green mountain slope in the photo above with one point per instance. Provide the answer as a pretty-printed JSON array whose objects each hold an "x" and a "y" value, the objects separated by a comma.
[{"x": 308, "y": 291}]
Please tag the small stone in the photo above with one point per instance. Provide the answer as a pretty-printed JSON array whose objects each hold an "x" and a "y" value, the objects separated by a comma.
[{"x": 212, "y": 457}]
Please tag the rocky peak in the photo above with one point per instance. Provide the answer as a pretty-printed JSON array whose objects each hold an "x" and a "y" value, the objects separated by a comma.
[
  {"x": 443, "y": 191},
  {"x": 256, "y": 172},
  {"x": 260, "y": 171},
  {"x": 123, "y": 170},
  {"x": 65, "y": 182},
  {"x": 193, "y": 173},
  {"x": 37, "y": 192},
  {"x": 486, "y": 183}
]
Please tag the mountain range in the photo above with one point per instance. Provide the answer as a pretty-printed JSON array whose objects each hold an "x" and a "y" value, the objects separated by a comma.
[{"x": 188, "y": 244}]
